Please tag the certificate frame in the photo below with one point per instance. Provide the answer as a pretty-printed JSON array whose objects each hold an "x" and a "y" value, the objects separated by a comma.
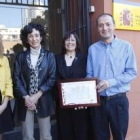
[{"x": 68, "y": 93}]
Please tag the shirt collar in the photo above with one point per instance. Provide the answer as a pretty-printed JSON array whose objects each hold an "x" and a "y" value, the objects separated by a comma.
[{"x": 111, "y": 43}]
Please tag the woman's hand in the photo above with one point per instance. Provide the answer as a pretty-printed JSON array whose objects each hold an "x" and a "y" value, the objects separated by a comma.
[
  {"x": 2, "y": 108},
  {"x": 80, "y": 107},
  {"x": 4, "y": 104},
  {"x": 31, "y": 101},
  {"x": 28, "y": 103},
  {"x": 34, "y": 98}
]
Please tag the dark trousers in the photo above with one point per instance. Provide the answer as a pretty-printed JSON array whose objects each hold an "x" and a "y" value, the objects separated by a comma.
[
  {"x": 73, "y": 124},
  {"x": 111, "y": 115}
]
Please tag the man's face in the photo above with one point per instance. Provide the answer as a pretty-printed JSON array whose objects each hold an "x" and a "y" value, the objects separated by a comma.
[{"x": 106, "y": 28}]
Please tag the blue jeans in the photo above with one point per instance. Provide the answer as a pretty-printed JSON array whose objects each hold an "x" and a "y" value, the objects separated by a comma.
[{"x": 111, "y": 116}]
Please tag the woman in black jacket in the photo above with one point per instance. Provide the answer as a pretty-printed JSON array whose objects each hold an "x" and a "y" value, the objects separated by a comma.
[
  {"x": 71, "y": 64},
  {"x": 34, "y": 77}
]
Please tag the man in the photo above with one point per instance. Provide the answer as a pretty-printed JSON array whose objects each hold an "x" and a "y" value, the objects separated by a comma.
[{"x": 112, "y": 60}]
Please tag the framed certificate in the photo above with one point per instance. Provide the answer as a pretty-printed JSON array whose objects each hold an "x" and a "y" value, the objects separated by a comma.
[{"x": 78, "y": 92}]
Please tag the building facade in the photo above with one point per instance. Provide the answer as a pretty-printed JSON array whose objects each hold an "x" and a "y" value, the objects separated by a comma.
[
  {"x": 106, "y": 6},
  {"x": 32, "y": 12},
  {"x": 61, "y": 17},
  {"x": 10, "y": 36},
  {"x": 97, "y": 7}
]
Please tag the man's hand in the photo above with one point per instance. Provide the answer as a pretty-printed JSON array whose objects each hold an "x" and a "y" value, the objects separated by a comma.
[{"x": 102, "y": 86}]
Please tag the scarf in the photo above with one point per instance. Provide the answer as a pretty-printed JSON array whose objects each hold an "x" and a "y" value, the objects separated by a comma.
[{"x": 34, "y": 73}]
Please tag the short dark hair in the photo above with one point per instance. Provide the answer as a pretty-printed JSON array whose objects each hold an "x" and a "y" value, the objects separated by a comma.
[
  {"x": 105, "y": 14},
  {"x": 66, "y": 36},
  {"x": 27, "y": 29}
]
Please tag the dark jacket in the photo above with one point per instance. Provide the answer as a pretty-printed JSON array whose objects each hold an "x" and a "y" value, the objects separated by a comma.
[
  {"x": 46, "y": 78},
  {"x": 77, "y": 70}
]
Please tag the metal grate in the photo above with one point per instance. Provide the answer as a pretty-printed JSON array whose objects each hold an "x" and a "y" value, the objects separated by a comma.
[
  {"x": 34, "y": 3},
  {"x": 76, "y": 18}
]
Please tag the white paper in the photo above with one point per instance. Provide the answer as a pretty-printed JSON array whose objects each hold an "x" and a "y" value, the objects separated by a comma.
[{"x": 83, "y": 92}]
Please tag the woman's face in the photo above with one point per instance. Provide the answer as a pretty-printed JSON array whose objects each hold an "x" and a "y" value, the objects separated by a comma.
[
  {"x": 70, "y": 43},
  {"x": 34, "y": 39}
]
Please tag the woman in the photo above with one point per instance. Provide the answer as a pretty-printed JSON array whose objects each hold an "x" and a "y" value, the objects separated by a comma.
[
  {"x": 6, "y": 93},
  {"x": 34, "y": 77},
  {"x": 71, "y": 64}
]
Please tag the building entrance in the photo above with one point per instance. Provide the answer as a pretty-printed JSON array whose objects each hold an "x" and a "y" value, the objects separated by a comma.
[{"x": 58, "y": 17}]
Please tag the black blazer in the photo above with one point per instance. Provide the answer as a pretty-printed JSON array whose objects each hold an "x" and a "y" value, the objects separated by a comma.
[
  {"x": 46, "y": 76},
  {"x": 77, "y": 70}
]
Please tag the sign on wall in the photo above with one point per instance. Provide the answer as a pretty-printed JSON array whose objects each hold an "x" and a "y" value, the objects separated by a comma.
[{"x": 127, "y": 14}]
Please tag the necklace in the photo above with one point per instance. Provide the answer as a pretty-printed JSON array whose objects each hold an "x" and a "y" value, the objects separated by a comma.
[{"x": 70, "y": 56}]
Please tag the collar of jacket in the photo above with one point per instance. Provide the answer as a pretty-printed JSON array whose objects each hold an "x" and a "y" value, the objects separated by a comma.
[{"x": 42, "y": 50}]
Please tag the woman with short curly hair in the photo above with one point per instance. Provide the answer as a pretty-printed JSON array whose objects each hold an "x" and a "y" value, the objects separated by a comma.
[{"x": 34, "y": 77}]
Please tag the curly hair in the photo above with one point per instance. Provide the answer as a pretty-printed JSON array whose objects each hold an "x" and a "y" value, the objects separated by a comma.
[
  {"x": 27, "y": 29},
  {"x": 67, "y": 35}
]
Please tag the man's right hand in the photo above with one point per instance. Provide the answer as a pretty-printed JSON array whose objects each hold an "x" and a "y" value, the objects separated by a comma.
[{"x": 102, "y": 86}]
